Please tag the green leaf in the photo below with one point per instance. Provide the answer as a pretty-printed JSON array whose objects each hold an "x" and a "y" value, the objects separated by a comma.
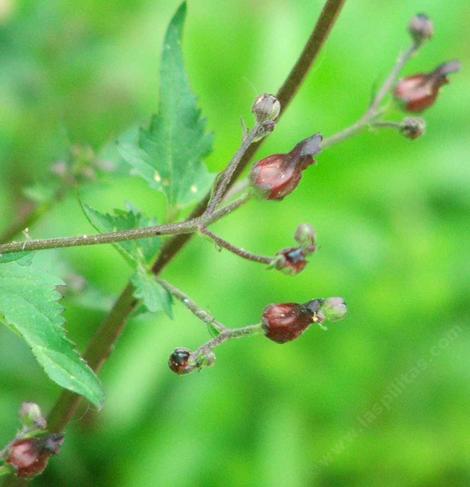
[
  {"x": 134, "y": 251},
  {"x": 169, "y": 153},
  {"x": 153, "y": 295},
  {"x": 22, "y": 258},
  {"x": 29, "y": 305}
]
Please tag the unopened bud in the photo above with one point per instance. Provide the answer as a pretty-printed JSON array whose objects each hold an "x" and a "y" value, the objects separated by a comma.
[
  {"x": 181, "y": 361},
  {"x": 333, "y": 309},
  {"x": 266, "y": 108},
  {"x": 31, "y": 416},
  {"x": 290, "y": 261},
  {"x": 306, "y": 237},
  {"x": 278, "y": 175},
  {"x": 421, "y": 28},
  {"x": 412, "y": 128},
  {"x": 419, "y": 92},
  {"x": 29, "y": 456},
  {"x": 206, "y": 360}
]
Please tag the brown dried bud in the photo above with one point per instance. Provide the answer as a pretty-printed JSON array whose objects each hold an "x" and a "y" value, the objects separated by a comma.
[
  {"x": 412, "y": 128},
  {"x": 419, "y": 92},
  {"x": 278, "y": 175},
  {"x": 421, "y": 28}
]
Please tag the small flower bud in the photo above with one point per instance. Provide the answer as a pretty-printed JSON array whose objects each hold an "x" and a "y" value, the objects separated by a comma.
[
  {"x": 421, "y": 28},
  {"x": 278, "y": 175},
  {"x": 266, "y": 108},
  {"x": 285, "y": 322},
  {"x": 290, "y": 261},
  {"x": 412, "y": 128},
  {"x": 306, "y": 237},
  {"x": 206, "y": 360},
  {"x": 419, "y": 92},
  {"x": 333, "y": 309},
  {"x": 181, "y": 361},
  {"x": 31, "y": 416},
  {"x": 30, "y": 456}
]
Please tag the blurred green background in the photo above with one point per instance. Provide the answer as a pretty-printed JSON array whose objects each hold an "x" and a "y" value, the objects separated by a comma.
[{"x": 383, "y": 397}]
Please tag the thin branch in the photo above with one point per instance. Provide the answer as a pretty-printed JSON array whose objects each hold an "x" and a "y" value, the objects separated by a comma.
[
  {"x": 114, "y": 237},
  {"x": 374, "y": 110},
  {"x": 223, "y": 182},
  {"x": 227, "y": 335},
  {"x": 200, "y": 313},
  {"x": 104, "y": 340},
  {"x": 244, "y": 254}
]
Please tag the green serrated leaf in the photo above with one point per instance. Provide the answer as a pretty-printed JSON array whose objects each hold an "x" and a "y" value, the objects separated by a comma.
[
  {"x": 134, "y": 251},
  {"x": 29, "y": 305},
  {"x": 169, "y": 153},
  {"x": 152, "y": 294},
  {"x": 22, "y": 258}
]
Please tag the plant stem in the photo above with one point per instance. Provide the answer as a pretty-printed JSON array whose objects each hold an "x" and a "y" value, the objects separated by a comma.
[
  {"x": 200, "y": 313},
  {"x": 229, "y": 334},
  {"x": 222, "y": 184},
  {"x": 103, "y": 342},
  {"x": 374, "y": 110},
  {"x": 113, "y": 237},
  {"x": 244, "y": 254}
]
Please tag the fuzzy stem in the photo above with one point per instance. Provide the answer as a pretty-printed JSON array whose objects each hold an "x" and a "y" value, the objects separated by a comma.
[
  {"x": 200, "y": 313},
  {"x": 188, "y": 226},
  {"x": 228, "y": 334},
  {"x": 244, "y": 254},
  {"x": 222, "y": 184},
  {"x": 374, "y": 110}
]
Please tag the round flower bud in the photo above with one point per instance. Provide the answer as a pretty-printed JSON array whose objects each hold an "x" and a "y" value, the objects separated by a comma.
[
  {"x": 278, "y": 175},
  {"x": 30, "y": 456},
  {"x": 31, "y": 416},
  {"x": 332, "y": 309},
  {"x": 206, "y": 360},
  {"x": 306, "y": 237},
  {"x": 419, "y": 92},
  {"x": 181, "y": 361},
  {"x": 266, "y": 108},
  {"x": 285, "y": 322},
  {"x": 412, "y": 128},
  {"x": 421, "y": 28}
]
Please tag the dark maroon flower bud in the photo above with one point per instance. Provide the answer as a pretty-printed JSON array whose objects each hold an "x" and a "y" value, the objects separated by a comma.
[
  {"x": 285, "y": 322},
  {"x": 30, "y": 456},
  {"x": 412, "y": 128},
  {"x": 266, "y": 108},
  {"x": 291, "y": 261},
  {"x": 181, "y": 361},
  {"x": 419, "y": 92},
  {"x": 278, "y": 175},
  {"x": 421, "y": 28}
]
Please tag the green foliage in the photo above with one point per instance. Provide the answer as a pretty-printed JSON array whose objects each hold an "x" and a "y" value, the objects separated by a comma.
[
  {"x": 139, "y": 254},
  {"x": 29, "y": 305},
  {"x": 153, "y": 295},
  {"x": 392, "y": 222},
  {"x": 169, "y": 152},
  {"x": 134, "y": 251}
]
